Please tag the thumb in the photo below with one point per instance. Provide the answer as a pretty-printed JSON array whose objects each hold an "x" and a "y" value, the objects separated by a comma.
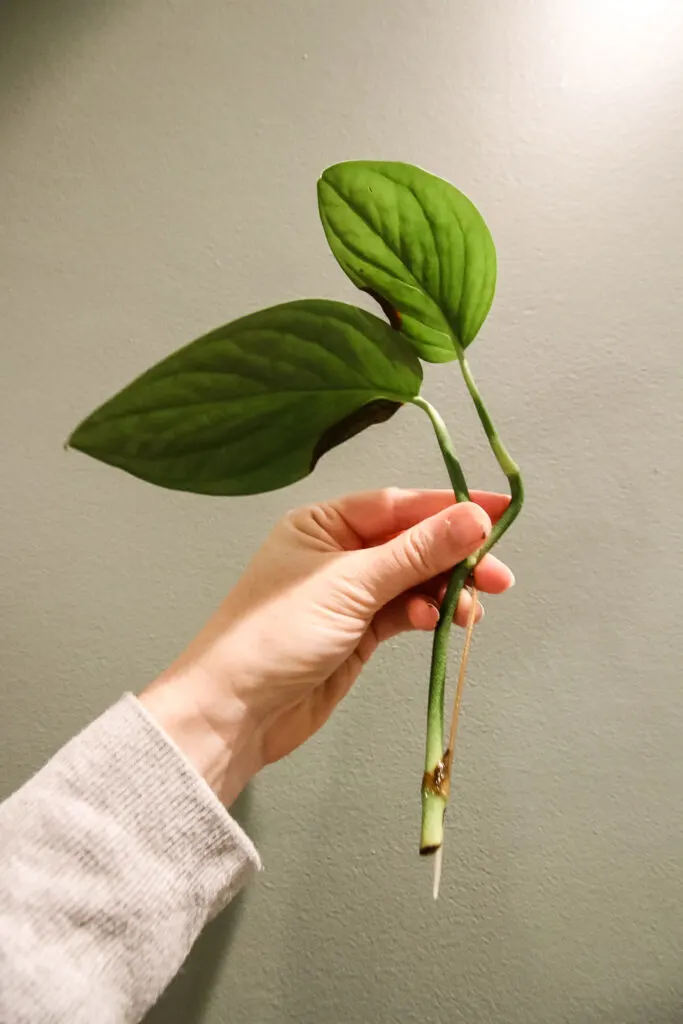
[{"x": 425, "y": 550}]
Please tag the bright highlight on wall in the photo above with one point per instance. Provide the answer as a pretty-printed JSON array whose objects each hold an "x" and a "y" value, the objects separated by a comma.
[{"x": 616, "y": 45}]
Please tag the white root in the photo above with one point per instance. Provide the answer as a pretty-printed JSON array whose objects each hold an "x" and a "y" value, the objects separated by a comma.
[{"x": 438, "y": 861}]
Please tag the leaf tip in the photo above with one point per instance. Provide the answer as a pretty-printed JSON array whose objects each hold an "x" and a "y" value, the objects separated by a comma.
[
  {"x": 78, "y": 439},
  {"x": 72, "y": 440}
]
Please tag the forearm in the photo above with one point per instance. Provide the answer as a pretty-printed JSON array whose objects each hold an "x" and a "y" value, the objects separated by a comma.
[{"x": 112, "y": 858}]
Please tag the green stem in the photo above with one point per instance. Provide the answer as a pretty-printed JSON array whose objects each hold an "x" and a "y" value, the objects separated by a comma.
[
  {"x": 434, "y": 798},
  {"x": 434, "y": 791},
  {"x": 454, "y": 468},
  {"x": 434, "y": 802},
  {"x": 503, "y": 458}
]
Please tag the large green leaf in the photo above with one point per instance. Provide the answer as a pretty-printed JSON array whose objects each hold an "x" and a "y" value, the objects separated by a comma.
[
  {"x": 253, "y": 405},
  {"x": 417, "y": 244}
]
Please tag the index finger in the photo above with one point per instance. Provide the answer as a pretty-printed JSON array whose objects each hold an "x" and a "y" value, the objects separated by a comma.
[{"x": 375, "y": 516}]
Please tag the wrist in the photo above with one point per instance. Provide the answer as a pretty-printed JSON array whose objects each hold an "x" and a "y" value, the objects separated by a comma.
[{"x": 223, "y": 745}]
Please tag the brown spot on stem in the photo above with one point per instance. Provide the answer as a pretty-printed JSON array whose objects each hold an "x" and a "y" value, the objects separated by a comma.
[{"x": 438, "y": 780}]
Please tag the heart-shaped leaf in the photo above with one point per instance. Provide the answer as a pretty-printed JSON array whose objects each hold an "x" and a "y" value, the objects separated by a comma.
[
  {"x": 417, "y": 244},
  {"x": 253, "y": 405}
]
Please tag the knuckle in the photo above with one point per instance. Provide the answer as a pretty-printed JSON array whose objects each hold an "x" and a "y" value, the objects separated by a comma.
[
  {"x": 387, "y": 499},
  {"x": 321, "y": 524},
  {"x": 294, "y": 517},
  {"x": 391, "y": 494},
  {"x": 323, "y": 515},
  {"x": 417, "y": 553}
]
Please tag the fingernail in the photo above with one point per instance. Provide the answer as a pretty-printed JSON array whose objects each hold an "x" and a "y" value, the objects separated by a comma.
[
  {"x": 478, "y": 526},
  {"x": 512, "y": 579},
  {"x": 486, "y": 525},
  {"x": 435, "y": 608}
]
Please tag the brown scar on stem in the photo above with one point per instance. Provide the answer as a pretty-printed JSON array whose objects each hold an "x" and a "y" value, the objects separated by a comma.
[{"x": 438, "y": 780}]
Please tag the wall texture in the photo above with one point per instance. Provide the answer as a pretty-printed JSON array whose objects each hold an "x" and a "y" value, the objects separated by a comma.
[{"x": 157, "y": 176}]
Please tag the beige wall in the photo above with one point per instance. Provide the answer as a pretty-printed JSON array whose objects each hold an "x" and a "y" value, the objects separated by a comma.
[{"x": 157, "y": 176}]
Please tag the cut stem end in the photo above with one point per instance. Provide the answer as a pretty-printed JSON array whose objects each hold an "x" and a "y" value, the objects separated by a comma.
[{"x": 433, "y": 810}]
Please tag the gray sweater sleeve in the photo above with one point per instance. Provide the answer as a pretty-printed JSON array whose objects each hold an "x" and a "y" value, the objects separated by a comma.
[{"x": 112, "y": 858}]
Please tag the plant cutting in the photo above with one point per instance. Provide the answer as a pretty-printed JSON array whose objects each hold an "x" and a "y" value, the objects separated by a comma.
[{"x": 253, "y": 405}]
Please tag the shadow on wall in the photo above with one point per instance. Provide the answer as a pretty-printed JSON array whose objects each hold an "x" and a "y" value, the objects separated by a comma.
[
  {"x": 39, "y": 29},
  {"x": 187, "y": 998}
]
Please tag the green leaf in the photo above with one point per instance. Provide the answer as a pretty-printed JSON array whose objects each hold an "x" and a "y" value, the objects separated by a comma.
[
  {"x": 416, "y": 244},
  {"x": 253, "y": 405}
]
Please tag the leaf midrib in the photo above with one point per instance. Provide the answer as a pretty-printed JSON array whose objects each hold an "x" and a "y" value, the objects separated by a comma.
[
  {"x": 416, "y": 282},
  {"x": 401, "y": 397}
]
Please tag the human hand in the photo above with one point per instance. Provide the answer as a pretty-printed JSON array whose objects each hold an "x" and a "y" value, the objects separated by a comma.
[{"x": 330, "y": 583}]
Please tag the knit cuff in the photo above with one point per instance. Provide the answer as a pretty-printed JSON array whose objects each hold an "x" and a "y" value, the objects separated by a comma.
[
  {"x": 182, "y": 814},
  {"x": 155, "y": 800}
]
